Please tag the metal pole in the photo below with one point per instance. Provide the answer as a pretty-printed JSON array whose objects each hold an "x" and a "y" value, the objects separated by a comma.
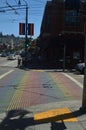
[
  {"x": 64, "y": 56},
  {"x": 83, "y": 108},
  {"x": 26, "y": 33}
]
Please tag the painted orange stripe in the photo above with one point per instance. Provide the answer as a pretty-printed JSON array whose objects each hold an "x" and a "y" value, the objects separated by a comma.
[
  {"x": 20, "y": 28},
  {"x": 31, "y": 29}
]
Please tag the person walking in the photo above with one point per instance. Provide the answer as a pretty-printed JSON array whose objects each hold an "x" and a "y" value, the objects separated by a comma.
[{"x": 19, "y": 61}]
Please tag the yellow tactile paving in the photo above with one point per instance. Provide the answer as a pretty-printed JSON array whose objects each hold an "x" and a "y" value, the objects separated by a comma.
[
  {"x": 16, "y": 99},
  {"x": 38, "y": 70},
  {"x": 61, "y": 114}
]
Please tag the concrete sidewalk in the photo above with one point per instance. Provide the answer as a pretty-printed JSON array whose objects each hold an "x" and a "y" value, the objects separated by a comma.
[{"x": 63, "y": 115}]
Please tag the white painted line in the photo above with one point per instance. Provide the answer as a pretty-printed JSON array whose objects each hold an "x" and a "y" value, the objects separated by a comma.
[
  {"x": 3, "y": 75},
  {"x": 74, "y": 80}
]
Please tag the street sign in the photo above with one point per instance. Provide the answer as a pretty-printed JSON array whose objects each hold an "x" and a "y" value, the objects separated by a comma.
[
  {"x": 31, "y": 29},
  {"x": 22, "y": 28}
]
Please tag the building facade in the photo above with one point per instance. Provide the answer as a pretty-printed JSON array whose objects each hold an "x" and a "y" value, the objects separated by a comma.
[{"x": 62, "y": 31}]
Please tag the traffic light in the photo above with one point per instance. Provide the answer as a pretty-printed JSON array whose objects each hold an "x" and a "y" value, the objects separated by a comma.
[{"x": 27, "y": 44}]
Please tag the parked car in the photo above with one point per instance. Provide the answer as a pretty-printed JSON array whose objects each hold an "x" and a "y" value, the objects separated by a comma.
[
  {"x": 11, "y": 57},
  {"x": 80, "y": 67},
  {"x": 3, "y": 54}
]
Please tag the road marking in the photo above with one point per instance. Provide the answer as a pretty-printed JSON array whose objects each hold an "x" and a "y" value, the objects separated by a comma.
[
  {"x": 39, "y": 70},
  {"x": 56, "y": 115},
  {"x": 3, "y": 75},
  {"x": 74, "y": 80},
  {"x": 16, "y": 100}
]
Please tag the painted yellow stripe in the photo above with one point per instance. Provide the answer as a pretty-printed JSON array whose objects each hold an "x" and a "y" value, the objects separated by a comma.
[
  {"x": 38, "y": 70},
  {"x": 61, "y": 86},
  {"x": 61, "y": 114}
]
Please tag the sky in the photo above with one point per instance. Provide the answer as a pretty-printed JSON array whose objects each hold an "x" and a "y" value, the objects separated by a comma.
[{"x": 11, "y": 14}]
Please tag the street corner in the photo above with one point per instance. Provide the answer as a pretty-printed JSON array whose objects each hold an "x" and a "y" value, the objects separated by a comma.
[{"x": 56, "y": 115}]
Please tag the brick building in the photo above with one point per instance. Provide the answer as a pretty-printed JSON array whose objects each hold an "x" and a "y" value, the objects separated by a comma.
[{"x": 61, "y": 35}]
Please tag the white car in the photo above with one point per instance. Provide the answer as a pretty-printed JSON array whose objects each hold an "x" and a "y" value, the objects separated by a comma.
[
  {"x": 11, "y": 57},
  {"x": 80, "y": 67}
]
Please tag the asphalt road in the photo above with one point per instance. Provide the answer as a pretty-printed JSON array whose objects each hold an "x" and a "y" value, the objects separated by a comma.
[
  {"x": 9, "y": 63},
  {"x": 21, "y": 88}
]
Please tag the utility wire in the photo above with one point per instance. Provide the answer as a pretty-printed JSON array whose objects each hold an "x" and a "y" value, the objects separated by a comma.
[
  {"x": 12, "y": 7},
  {"x": 41, "y": 1},
  {"x": 34, "y": 9},
  {"x": 3, "y": 7},
  {"x": 16, "y": 1}
]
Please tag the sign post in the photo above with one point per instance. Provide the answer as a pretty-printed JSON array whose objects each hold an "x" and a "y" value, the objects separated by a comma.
[
  {"x": 26, "y": 33},
  {"x": 83, "y": 108}
]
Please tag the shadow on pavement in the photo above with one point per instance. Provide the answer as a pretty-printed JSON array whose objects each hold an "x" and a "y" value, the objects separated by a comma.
[
  {"x": 22, "y": 121},
  {"x": 59, "y": 126},
  {"x": 43, "y": 64},
  {"x": 36, "y": 64},
  {"x": 10, "y": 122}
]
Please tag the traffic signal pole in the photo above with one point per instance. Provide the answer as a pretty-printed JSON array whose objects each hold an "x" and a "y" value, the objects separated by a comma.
[{"x": 26, "y": 33}]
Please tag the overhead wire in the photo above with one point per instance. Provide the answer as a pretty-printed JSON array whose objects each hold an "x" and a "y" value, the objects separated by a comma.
[
  {"x": 15, "y": 7},
  {"x": 41, "y": 1},
  {"x": 34, "y": 9},
  {"x": 15, "y": 1},
  {"x": 30, "y": 6}
]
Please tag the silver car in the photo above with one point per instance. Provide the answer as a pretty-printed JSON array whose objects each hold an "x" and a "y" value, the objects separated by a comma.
[{"x": 11, "y": 57}]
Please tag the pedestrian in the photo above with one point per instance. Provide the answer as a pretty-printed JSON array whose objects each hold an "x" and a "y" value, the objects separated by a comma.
[{"x": 19, "y": 61}]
